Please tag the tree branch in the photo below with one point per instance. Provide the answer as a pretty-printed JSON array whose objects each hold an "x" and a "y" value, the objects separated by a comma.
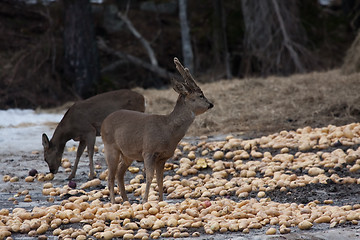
[
  {"x": 113, "y": 66},
  {"x": 287, "y": 40},
  {"x": 135, "y": 60},
  {"x": 143, "y": 41}
]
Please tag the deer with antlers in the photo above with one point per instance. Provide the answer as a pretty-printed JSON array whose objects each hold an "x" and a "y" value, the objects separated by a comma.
[{"x": 149, "y": 138}]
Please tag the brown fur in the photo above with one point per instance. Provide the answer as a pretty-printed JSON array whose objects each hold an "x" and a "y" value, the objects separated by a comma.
[
  {"x": 152, "y": 139},
  {"x": 82, "y": 123}
]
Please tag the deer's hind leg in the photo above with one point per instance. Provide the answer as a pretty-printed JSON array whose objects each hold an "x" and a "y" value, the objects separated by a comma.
[
  {"x": 90, "y": 142},
  {"x": 112, "y": 157},
  {"x": 123, "y": 165}
]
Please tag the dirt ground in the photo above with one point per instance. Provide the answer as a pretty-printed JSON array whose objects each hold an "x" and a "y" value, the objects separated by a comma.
[{"x": 247, "y": 109}]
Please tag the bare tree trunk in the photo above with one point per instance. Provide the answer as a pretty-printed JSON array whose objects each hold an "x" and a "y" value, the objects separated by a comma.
[
  {"x": 220, "y": 37},
  {"x": 185, "y": 36},
  {"x": 216, "y": 40},
  {"x": 81, "y": 57},
  {"x": 274, "y": 38},
  {"x": 224, "y": 37}
]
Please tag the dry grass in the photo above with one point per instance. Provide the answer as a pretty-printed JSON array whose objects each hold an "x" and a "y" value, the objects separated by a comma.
[{"x": 256, "y": 106}]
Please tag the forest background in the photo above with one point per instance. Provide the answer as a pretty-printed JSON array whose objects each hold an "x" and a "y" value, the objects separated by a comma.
[{"x": 59, "y": 51}]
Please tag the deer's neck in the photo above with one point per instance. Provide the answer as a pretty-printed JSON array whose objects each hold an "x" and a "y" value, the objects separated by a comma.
[
  {"x": 60, "y": 138},
  {"x": 180, "y": 118}
]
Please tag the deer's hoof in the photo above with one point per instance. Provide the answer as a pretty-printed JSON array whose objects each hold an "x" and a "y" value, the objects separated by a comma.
[
  {"x": 70, "y": 177},
  {"x": 92, "y": 176}
]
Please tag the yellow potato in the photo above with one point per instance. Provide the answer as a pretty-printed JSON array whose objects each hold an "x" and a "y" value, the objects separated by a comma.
[
  {"x": 6, "y": 178},
  {"x": 218, "y": 155},
  {"x": 271, "y": 231},
  {"x": 305, "y": 225}
]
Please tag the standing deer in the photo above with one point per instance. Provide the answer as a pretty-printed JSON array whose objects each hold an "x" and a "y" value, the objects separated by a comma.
[
  {"x": 129, "y": 135},
  {"x": 82, "y": 123}
]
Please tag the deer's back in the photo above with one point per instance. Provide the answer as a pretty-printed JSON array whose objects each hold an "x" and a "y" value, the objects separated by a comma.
[
  {"x": 101, "y": 105},
  {"x": 124, "y": 124},
  {"x": 92, "y": 111}
]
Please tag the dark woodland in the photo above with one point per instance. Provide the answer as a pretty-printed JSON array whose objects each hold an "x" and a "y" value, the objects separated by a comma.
[{"x": 68, "y": 50}]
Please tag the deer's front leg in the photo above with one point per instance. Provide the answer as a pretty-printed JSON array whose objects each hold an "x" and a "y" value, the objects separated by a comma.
[
  {"x": 123, "y": 166},
  {"x": 112, "y": 160},
  {"x": 160, "y": 177},
  {"x": 79, "y": 152},
  {"x": 149, "y": 162}
]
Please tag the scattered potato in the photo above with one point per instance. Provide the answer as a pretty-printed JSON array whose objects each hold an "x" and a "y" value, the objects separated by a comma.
[
  {"x": 314, "y": 171},
  {"x": 134, "y": 169},
  {"x": 328, "y": 201},
  {"x": 305, "y": 225},
  {"x": 218, "y": 155},
  {"x": 271, "y": 231},
  {"x": 14, "y": 179},
  {"x": 29, "y": 179},
  {"x": 261, "y": 194},
  {"x": 91, "y": 183},
  {"x": 6, "y": 178}
]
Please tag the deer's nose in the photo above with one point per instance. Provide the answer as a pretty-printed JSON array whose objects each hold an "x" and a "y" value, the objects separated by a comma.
[{"x": 211, "y": 105}]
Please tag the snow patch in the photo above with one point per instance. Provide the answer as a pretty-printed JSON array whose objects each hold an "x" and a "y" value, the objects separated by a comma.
[
  {"x": 21, "y": 130},
  {"x": 15, "y": 117}
]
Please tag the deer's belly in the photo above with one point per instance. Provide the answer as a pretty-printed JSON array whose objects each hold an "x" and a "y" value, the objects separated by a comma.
[{"x": 132, "y": 155}]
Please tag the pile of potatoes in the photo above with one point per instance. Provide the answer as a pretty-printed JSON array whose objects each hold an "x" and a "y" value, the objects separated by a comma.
[
  {"x": 161, "y": 219},
  {"x": 208, "y": 186}
]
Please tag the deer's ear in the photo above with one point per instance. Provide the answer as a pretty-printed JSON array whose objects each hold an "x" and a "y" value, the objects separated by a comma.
[
  {"x": 45, "y": 141},
  {"x": 179, "y": 87}
]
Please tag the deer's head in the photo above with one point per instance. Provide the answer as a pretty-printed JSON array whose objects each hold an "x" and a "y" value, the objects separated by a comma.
[
  {"x": 52, "y": 154},
  {"x": 187, "y": 88}
]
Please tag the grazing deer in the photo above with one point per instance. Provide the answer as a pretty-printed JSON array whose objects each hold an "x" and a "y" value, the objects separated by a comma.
[
  {"x": 82, "y": 122},
  {"x": 129, "y": 135}
]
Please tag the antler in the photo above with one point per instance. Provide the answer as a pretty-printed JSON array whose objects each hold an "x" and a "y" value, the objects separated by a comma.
[{"x": 185, "y": 73}]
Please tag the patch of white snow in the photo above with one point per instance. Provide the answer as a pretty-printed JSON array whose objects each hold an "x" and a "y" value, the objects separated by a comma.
[{"x": 21, "y": 130}]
